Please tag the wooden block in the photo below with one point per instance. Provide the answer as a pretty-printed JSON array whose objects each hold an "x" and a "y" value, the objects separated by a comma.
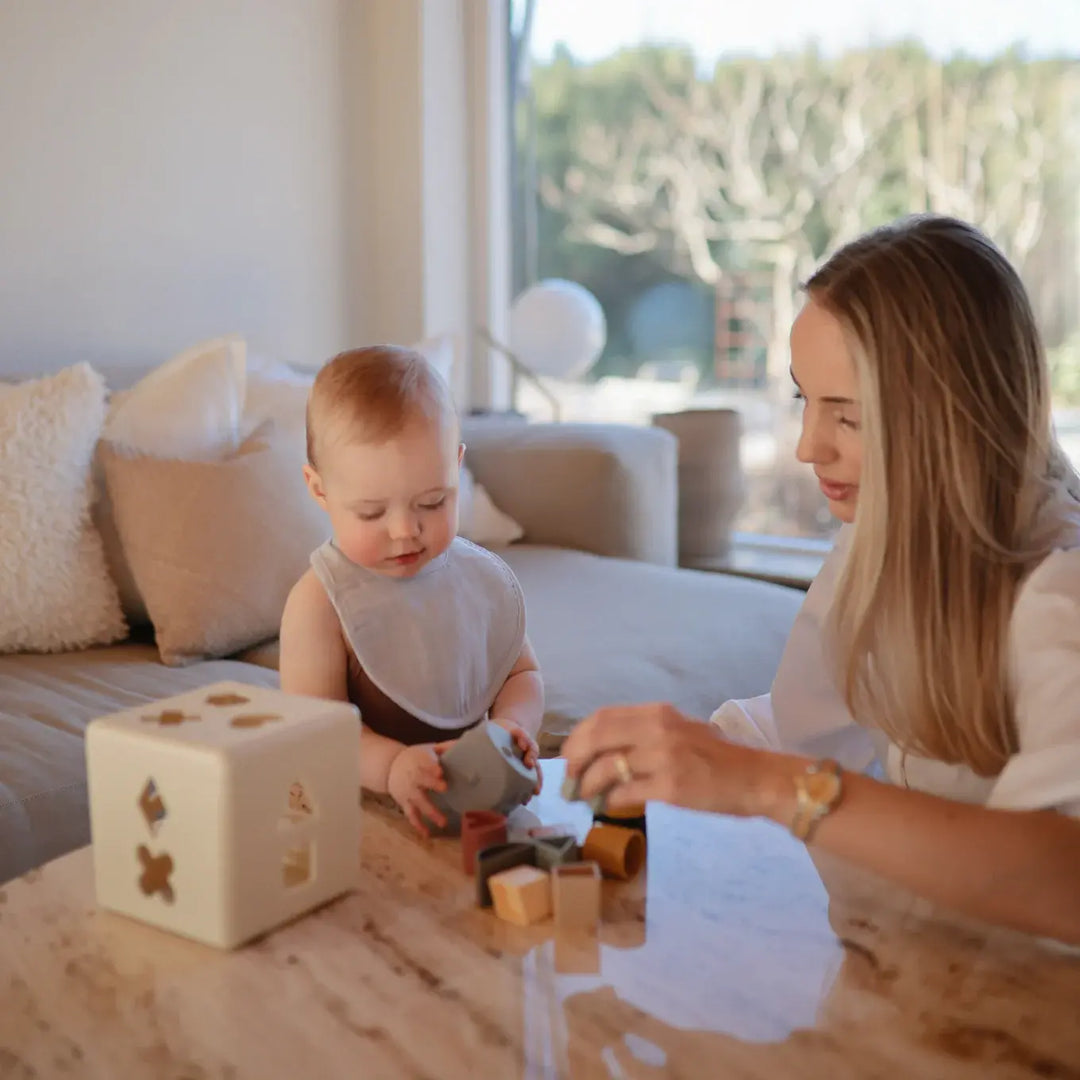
[
  {"x": 497, "y": 858},
  {"x": 521, "y": 895},
  {"x": 575, "y": 891},
  {"x": 480, "y": 829}
]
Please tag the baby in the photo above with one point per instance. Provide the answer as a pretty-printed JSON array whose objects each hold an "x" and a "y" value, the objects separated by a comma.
[{"x": 422, "y": 630}]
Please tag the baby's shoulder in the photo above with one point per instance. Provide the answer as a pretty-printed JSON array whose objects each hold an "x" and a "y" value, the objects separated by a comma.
[{"x": 307, "y": 600}]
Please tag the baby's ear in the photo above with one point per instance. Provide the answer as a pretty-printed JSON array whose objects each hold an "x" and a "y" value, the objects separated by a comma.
[{"x": 315, "y": 485}]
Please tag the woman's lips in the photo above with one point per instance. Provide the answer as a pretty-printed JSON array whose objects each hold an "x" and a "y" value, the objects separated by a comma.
[{"x": 836, "y": 492}]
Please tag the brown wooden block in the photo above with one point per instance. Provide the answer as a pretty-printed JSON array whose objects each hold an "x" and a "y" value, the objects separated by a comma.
[{"x": 575, "y": 889}]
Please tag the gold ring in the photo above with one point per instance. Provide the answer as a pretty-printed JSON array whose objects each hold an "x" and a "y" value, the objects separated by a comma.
[{"x": 622, "y": 769}]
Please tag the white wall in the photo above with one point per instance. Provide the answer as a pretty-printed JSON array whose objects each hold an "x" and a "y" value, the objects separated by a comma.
[
  {"x": 171, "y": 170},
  {"x": 409, "y": 161}
]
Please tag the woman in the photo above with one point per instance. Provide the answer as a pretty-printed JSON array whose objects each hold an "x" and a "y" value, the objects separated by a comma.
[{"x": 941, "y": 641}]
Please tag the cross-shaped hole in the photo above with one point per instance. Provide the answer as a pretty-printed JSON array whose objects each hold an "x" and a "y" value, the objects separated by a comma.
[{"x": 155, "y": 874}]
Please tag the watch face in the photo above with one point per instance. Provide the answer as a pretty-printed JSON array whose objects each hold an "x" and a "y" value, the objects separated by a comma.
[{"x": 822, "y": 787}]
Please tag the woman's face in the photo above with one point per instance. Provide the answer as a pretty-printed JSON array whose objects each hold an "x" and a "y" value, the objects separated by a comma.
[{"x": 825, "y": 380}]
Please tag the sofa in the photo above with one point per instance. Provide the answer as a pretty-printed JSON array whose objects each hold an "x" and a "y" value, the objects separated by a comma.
[{"x": 611, "y": 617}]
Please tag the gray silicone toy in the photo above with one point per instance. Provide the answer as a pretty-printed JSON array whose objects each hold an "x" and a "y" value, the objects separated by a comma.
[{"x": 483, "y": 771}]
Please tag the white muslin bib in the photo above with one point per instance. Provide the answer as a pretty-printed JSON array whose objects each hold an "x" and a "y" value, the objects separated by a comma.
[{"x": 439, "y": 644}]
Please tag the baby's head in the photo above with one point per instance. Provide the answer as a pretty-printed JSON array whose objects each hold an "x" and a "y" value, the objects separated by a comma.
[{"x": 384, "y": 455}]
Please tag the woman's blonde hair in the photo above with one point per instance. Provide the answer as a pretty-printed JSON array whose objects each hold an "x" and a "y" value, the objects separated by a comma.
[{"x": 959, "y": 465}]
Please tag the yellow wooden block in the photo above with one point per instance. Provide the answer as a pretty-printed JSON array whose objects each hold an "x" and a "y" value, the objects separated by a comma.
[{"x": 521, "y": 895}]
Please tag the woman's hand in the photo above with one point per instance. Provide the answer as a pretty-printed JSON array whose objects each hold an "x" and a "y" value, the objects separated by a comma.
[
  {"x": 640, "y": 752},
  {"x": 414, "y": 772}
]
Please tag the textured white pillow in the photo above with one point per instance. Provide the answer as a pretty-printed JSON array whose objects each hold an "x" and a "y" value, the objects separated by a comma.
[
  {"x": 55, "y": 589},
  {"x": 188, "y": 408}
]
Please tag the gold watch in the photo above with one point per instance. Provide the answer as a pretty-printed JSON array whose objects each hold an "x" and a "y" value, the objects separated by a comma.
[{"x": 817, "y": 792}]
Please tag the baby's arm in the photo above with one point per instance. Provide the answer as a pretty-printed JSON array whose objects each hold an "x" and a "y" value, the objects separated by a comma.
[
  {"x": 521, "y": 699},
  {"x": 314, "y": 660},
  {"x": 519, "y": 705}
]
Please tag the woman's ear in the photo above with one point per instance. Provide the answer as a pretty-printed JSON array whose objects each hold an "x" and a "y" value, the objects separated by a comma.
[
  {"x": 315, "y": 485},
  {"x": 460, "y": 453}
]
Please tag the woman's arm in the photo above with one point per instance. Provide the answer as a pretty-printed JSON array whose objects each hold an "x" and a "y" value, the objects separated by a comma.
[
  {"x": 1017, "y": 868},
  {"x": 1013, "y": 868}
]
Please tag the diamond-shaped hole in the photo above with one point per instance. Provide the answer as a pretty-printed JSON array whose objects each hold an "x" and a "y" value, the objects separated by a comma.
[
  {"x": 152, "y": 806},
  {"x": 298, "y": 865}
]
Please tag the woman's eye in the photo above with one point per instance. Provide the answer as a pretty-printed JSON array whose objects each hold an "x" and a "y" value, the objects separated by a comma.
[{"x": 847, "y": 422}]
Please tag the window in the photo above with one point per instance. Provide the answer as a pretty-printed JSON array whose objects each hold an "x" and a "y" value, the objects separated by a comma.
[{"x": 691, "y": 161}]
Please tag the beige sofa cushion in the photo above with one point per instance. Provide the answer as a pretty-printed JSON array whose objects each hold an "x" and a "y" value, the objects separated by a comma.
[
  {"x": 46, "y": 703},
  {"x": 611, "y": 632},
  {"x": 214, "y": 547},
  {"x": 608, "y": 631}
]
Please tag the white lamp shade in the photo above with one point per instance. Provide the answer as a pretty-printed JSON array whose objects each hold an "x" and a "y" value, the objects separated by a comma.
[{"x": 557, "y": 328}]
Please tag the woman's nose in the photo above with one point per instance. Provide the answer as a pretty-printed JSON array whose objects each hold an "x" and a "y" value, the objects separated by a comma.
[{"x": 814, "y": 447}]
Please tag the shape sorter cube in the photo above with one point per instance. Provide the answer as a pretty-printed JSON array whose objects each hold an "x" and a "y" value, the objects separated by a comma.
[{"x": 221, "y": 812}]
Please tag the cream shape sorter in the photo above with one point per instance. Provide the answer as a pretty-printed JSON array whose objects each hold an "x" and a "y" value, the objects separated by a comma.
[{"x": 222, "y": 812}]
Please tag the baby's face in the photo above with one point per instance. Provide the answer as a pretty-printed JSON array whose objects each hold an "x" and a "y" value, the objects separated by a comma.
[{"x": 393, "y": 505}]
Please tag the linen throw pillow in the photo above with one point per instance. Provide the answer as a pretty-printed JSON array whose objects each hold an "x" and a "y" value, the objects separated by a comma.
[
  {"x": 187, "y": 408},
  {"x": 55, "y": 588},
  {"x": 214, "y": 547}
]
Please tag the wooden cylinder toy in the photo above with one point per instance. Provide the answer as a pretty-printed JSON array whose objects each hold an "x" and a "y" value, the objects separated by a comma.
[
  {"x": 618, "y": 851},
  {"x": 480, "y": 829}
]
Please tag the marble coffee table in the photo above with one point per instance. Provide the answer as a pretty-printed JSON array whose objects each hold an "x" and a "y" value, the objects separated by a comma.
[{"x": 727, "y": 957}]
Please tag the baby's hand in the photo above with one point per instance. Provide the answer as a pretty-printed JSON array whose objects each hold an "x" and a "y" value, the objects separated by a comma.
[
  {"x": 527, "y": 745},
  {"x": 413, "y": 773}
]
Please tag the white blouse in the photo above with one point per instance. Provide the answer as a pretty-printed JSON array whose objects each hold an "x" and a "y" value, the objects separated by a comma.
[{"x": 806, "y": 714}]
